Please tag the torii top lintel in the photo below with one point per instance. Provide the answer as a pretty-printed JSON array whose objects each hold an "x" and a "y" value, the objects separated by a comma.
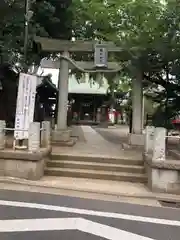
[{"x": 57, "y": 45}]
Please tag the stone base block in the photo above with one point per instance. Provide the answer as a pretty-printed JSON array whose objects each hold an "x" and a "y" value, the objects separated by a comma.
[
  {"x": 69, "y": 143},
  {"x": 136, "y": 139},
  {"x": 61, "y": 135},
  {"x": 163, "y": 176},
  {"x": 22, "y": 164}
]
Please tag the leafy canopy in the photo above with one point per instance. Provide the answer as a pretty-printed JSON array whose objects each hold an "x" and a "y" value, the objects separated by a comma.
[
  {"x": 51, "y": 18},
  {"x": 149, "y": 33}
]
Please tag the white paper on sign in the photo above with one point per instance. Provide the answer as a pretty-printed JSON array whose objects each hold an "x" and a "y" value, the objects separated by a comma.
[{"x": 25, "y": 104}]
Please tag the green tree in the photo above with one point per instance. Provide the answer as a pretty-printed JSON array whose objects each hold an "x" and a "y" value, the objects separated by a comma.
[
  {"x": 149, "y": 34},
  {"x": 51, "y": 18}
]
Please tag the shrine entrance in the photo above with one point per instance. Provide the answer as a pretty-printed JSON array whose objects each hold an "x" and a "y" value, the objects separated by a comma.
[
  {"x": 86, "y": 105},
  {"x": 101, "y": 66},
  {"x": 87, "y": 110}
]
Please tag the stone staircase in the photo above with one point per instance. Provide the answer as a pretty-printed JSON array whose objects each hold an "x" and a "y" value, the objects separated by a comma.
[{"x": 129, "y": 169}]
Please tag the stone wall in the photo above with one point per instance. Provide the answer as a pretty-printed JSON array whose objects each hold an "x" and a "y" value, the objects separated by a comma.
[
  {"x": 28, "y": 163},
  {"x": 24, "y": 165}
]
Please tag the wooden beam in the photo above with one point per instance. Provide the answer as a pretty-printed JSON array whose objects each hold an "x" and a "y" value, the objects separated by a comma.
[
  {"x": 47, "y": 63},
  {"x": 56, "y": 45}
]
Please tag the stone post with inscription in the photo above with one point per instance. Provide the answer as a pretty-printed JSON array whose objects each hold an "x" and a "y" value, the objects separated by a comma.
[
  {"x": 159, "y": 144},
  {"x": 34, "y": 137},
  {"x": 149, "y": 139},
  {"x": 162, "y": 173},
  {"x": 46, "y": 134}
]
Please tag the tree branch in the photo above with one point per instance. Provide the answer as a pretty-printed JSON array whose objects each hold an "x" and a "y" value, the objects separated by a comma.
[{"x": 160, "y": 81}]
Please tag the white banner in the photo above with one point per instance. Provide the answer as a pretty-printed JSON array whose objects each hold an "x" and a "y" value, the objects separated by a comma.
[{"x": 25, "y": 105}]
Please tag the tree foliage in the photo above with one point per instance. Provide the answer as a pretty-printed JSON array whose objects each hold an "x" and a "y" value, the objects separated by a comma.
[
  {"x": 51, "y": 18},
  {"x": 147, "y": 31},
  {"x": 149, "y": 34}
]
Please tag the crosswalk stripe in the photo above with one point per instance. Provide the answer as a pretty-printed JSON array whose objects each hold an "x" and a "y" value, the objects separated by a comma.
[
  {"x": 91, "y": 212},
  {"x": 55, "y": 224}
]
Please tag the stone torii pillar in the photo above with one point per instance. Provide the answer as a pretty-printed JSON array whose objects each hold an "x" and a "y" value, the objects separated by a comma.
[
  {"x": 137, "y": 137},
  {"x": 62, "y": 134},
  {"x": 63, "y": 93}
]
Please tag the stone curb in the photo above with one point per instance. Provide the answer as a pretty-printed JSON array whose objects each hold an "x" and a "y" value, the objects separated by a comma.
[{"x": 151, "y": 196}]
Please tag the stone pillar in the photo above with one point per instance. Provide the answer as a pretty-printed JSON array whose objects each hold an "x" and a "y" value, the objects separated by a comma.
[
  {"x": 163, "y": 175},
  {"x": 2, "y": 134},
  {"x": 46, "y": 134},
  {"x": 63, "y": 93},
  {"x": 34, "y": 137},
  {"x": 149, "y": 139},
  {"x": 137, "y": 105},
  {"x": 143, "y": 109},
  {"x": 159, "y": 144},
  {"x": 62, "y": 134},
  {"x": 137, "y": 138},
  {"x": 53, "y": 123}
]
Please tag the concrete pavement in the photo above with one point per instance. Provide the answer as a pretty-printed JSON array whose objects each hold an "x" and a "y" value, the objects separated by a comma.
[
  {"x": 97, "y": 189},
  {"x": 89, "y": 188},
  {"x": 94, "y": 142},
  {"x": 25, "y": 215},
  {"x": 116, "y": 134},
  {"x": 95, "y": 145},
  {"x": 91, "y": 142}
]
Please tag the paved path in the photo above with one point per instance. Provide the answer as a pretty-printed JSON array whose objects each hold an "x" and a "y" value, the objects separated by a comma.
[
  {"x": 94, "y": 144},
  {"x": 37, "y": 216},
  {"x": 115, "y": 135}
]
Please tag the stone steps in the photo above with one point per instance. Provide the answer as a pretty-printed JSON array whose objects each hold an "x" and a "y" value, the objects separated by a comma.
[
  {"x": 96, "y": 174},
  {"x": 125, "y": 168},
  {"x": 125, "y": 160},
  {"x": 95, "y": 166}
]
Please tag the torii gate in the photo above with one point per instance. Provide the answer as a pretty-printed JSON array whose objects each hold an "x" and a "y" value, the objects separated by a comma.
[{"x": 100, "y": 66}]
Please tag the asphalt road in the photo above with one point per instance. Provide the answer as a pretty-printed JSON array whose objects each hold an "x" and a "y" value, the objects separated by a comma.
[{"x": 28, "y": 216}]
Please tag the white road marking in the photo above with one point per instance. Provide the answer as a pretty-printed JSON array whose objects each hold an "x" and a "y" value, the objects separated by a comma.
[
  {"x": 25, "y": 225},
  {"x": 55, "y": 224},
  {"x": 91, "y": 212}
]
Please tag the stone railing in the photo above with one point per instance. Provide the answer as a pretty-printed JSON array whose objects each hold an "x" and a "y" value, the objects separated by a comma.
[
  {"x": 39, "y": 137},
  {"x": 27, "y": 162},
  {"x": 163, "y": 171}
]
